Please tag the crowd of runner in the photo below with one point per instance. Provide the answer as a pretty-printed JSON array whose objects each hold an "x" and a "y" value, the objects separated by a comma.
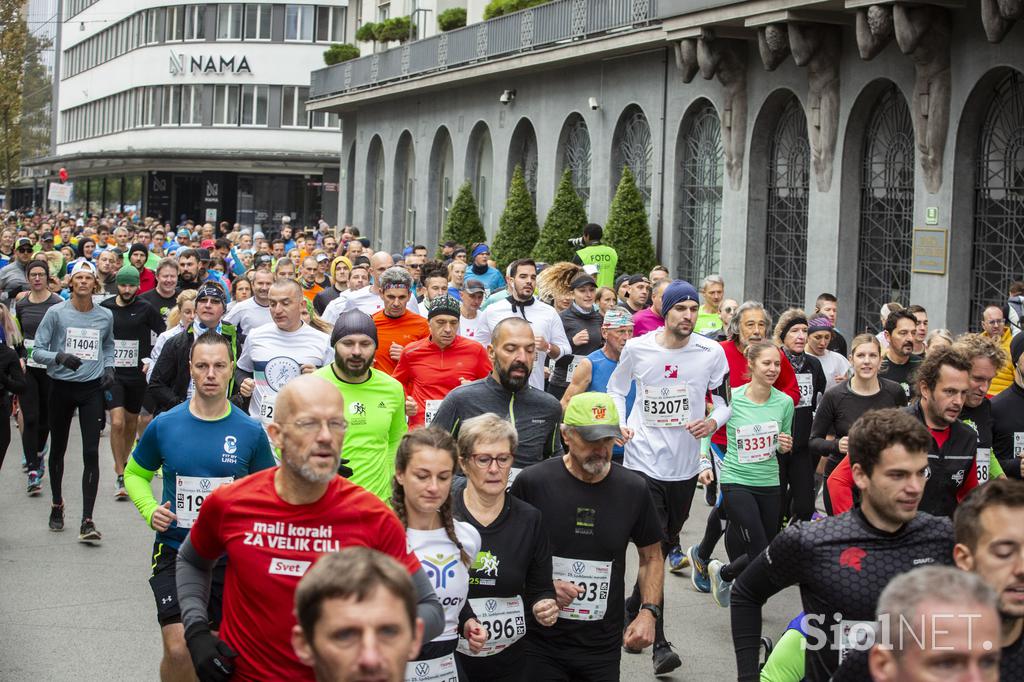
[{"x": 499, "y": 438}]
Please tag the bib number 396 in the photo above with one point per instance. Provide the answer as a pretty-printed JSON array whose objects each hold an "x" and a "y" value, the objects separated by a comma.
[{"x": 503, "y": 618}]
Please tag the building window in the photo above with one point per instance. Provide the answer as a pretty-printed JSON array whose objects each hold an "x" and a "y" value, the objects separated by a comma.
[
  {"x": 359, "y": 13},
  {"x": 225, "y": 105},
  {"x": 153, "y": 17},
  {"x": 325, "y": 120},
  {"x": 886, "y": 209},
  {"x": 257, "y": 22},
  {"x": 635, "y": 151},
  {"x": 293, "y": 106},
  {"x": 788, "y": 189},
  {"x": 298, "y": 23},
  {"x": 700, "y": 188},
  {"x": 576, "y": 157},
  {"x": 998, "y": 257},
  {"x": 330, "y": 24},
  {"x": 172, "y": 105},
  {"x": 229, "y": 22},
  {"x": 254, "y": 105},
  {"x": 384, "y": 11},
  {"x": 194, "y": 22},
  {"x": 174, "y": 26}
]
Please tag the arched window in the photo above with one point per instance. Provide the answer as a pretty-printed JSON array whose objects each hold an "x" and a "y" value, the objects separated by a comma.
[
  {"x": 999, "y": 196},
  {"x": 440, "y": 186},
  {"x": 633, "y": 148},
  {"x": 699, "y": 174},
  {"x": 522, "y": 152},
  {"x": 886, "y": 237},
  {"x": 480, "y": 169},
  {"x": 574, "y": 153},
  {"x": 375, "y": 187},
  {"x": 405, "y": 189},
  {"x": 785, "y": 264}
]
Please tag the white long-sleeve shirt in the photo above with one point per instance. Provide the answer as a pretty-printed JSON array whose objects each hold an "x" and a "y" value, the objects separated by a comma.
[
  {"x": 671, "y": 388},
  {"x": 364, "y": 299},
  {"x": 545, "y": 322}
]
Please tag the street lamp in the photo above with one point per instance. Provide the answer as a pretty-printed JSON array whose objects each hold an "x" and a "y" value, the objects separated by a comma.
[{"x": 412, "y": 21}]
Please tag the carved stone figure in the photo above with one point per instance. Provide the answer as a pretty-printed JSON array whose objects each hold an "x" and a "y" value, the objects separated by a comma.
[
  {"x": 818, "y": 47},
  {"x": 686, "y": 58},
  {"x": 923, "y": 33},
  {"x": 773, "y": 43},
  {"x": 874, "y": 30},
  {"x": 999, "y": 16},
  {"x": 727, "y": 59}
]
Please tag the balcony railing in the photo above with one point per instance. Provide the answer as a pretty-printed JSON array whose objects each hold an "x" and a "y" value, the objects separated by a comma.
[{"x": 547, "y": 24}]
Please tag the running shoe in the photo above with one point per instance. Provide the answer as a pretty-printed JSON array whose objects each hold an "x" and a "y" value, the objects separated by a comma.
[
  {"x": 88, "y": 532},
  {"x": 677, "y": 559},
  {"x": 121, "y": 493},
  {"x": 33, "y": 484},
  {"x": 698, "y": 571},
  {"x": 57, "y": 518},
  {"x": 665, "y": 660},
  {"x": 721, "y": 590}
]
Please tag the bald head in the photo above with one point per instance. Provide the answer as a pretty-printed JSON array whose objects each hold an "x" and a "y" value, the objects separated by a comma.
[
  {"x": 510, "y": 325},
  {"x": 381, "y": 261},
  {"x": 304, "y": 392}
]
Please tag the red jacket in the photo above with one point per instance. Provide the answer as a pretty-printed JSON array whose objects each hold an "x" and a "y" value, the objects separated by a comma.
[
  {"x": 429, "y": 373},
  {"x": 739, "y": 375}
]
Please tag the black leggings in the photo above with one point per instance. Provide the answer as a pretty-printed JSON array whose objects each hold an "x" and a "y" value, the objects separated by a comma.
[
  {"x": 35, "y": 413},
  {"x": 5, "y": 425},
  {"x": 753, "y": 522},
  {"x": 796, "y": 473},
  {"x": 65, "y": 396}
]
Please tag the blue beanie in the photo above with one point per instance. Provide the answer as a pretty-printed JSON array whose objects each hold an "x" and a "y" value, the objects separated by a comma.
[{"x": 679, "y": 290}]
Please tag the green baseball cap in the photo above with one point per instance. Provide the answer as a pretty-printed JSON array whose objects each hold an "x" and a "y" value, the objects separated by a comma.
[{"x": 593, "y": 415}]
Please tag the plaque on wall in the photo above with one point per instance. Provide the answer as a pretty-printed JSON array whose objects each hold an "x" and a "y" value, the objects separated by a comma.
[{"x": 930, "y": 250}]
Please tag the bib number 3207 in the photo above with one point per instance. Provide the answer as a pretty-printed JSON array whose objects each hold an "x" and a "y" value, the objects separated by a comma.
[{"x": 666, "y": 406}]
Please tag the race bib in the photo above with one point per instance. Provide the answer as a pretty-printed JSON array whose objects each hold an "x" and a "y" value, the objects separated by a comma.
[
  {"x": 571, "y": 369},
  {"x": 504, "y": 620},
  {"x": 190, "y": 491},
  {"x": 82, "y": 343},
  {"x": 30, "y": 344},
  {"x": 267, "y": 407},
  {"x": 666, "y": 406},
  {"x": 982, "y": 464},
  {"x": 593, "y": 578},
  {"x": 430, "y": 408},
  {"x": 126, "y": 353},
  {"x": 1018, "y": 444},
  {"x": 805, "y": 382},
  {"x": 435, "y": 670},
  {"x": 756, "y": 442},
  {"x": 855, "y": 635}
]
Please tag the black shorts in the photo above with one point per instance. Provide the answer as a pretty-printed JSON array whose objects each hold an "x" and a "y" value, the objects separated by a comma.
[
  {"x": 672, "y": 500},
  {"x": 165, "y": 590},
  {"x": 127, "y": 392},
  {"x": 545, "y": 663}
]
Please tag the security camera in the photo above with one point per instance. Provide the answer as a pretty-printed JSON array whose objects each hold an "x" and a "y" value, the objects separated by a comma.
[
  {"x": 593, "y": 103},
  {"x": 507, "y": 96}
]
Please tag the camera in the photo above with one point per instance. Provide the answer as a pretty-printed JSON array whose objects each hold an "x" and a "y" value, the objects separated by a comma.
[
  {"x": 576, "y": 242},
  {"x": 593, "y": 103}
]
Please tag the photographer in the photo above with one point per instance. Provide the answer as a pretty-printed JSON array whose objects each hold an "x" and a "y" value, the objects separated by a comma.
[{"x": 597, "y": 259}]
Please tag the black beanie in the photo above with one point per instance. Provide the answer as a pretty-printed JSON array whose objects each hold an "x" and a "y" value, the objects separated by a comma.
[{"x": 353, "y": 322}]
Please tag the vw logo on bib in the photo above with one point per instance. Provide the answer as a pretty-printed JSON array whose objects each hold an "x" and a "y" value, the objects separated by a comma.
[
  {"x": 578, "y": 567},
  {"x": 422, "y": 668},
  {"x": 664, "y": 392},
  {"x": 491, "y": 605},
  {"x": 205, "y": 485}
]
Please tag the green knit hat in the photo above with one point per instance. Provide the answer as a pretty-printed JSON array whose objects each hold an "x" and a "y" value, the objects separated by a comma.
[{"x": 128, "y": 275}]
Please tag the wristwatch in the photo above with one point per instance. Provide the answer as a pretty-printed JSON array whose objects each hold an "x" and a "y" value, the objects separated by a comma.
[{"x": 653, "y": 608}]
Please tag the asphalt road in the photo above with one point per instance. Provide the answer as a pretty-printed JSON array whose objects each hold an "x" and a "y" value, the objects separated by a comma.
[{"x": 70, "y": 611}]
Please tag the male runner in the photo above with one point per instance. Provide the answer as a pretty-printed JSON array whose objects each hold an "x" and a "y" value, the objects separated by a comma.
[
  {"x": 827, "y": 305},
  {"x": 75, "y": 341},
  {"x": 253, "y": 312},
  {"x": 549, "y": 333},
  {"x": 136, "y": 323},
  {"x": 165, "y": 295},
  {"x": 470, "y": 319},
  {"x": 1008, "y": 415},
  {"x": 277, "y": 353},
  {"x": 674, "y": 370},
  {"x": 375, "y": 403},
  {"x": 272, "y": 526},
  {"x": 397, "y": 326},
  {"x": 842, "y": 563},
  {"x": 592, "y": 510},
  {"x": 430, "y": 368},
  {"x": 708, "y": 317},
  {"x": 986, "y": 358},
  {"x": 898, "y": 361},
  {"x": 650, "y": 319},
  {"x": 224, "y": 445}
]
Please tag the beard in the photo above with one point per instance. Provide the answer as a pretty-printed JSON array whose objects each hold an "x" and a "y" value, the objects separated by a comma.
[
  {"x": 595, "y": 466},
  {"x": 306, "y": 471},
  {"x": 511, "y": 383},
  {"x": 353, "y": 368}
]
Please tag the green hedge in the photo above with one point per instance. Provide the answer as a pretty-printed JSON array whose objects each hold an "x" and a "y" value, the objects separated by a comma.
[
  {"x": 497, "y": 8},
  {"x": 463, "y": 225},
  {"x": 451, "y": 18},
  {"x": 517, "y": 228},
  {"x": 627, "y": 230},
  {"x": 340, "y": 52},
  {"x": 564, "y": 221}
]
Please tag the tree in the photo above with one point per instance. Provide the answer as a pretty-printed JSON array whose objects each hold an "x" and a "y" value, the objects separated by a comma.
[
  {"x": 452, "y": 18},
  {"x": 517, "y": 227},
  {"x": 463, "y": 225},
  {"x": 367, "y": 33},
  {"x": 564, "y": 221},
  {"x": 340, "y": 52},
  {"x": 13, "y": 38},
  {"x": 395, "y": 28},
  {"x": 497, "y": 8},
  {"x": 627, "y": 229},
  {"x": 36, "y": 105}
]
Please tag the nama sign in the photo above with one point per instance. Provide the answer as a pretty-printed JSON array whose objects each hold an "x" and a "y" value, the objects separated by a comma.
[{"x": 181, "y": 64}]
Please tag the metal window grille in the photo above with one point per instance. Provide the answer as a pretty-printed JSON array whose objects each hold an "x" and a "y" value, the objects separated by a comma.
[
  {"x": 577, "y": 157},
  {"x": 636, "y": 151},
  {"x": 700, "y": 186}
]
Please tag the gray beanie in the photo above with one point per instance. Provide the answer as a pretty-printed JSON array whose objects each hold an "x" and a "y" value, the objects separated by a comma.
[{"x": 353, "y": 322}]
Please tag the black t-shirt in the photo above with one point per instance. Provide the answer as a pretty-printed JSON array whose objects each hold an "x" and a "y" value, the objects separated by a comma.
[
  {"x": 1007, "y": 422},
  {"x": 590, "y": 526},
  {"x": 901, "y": 374},
  {"x": 163, "y": 304},
  {"x": 840, "y": 407},
  {"x": 812, "y": 384},
  {"x": 30, "y": 314},
  {"x": 322, "y": 299},
  {"x": 841, "y": 563},
  {"x": 838, "y": 343},
  {"x": 133, "y": 323}
]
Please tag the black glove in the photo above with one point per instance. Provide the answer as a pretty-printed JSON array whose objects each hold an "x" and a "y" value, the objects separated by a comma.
[
  {"x": 344, "y": 470},
  {"x": 210, "y": 656},
  {"x": 107, "y": 380},
  {"x": 69, "y": 361}
]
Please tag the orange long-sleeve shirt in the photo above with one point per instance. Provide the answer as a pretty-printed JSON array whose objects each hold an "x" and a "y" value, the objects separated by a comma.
[{"x": 401, "y": 330}]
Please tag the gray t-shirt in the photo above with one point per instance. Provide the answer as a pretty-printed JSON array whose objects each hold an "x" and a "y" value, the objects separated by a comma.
[{"x": 89, "y": 336}]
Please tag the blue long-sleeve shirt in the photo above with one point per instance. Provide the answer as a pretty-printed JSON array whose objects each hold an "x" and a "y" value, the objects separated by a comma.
[{"x": 88, "y": 336}]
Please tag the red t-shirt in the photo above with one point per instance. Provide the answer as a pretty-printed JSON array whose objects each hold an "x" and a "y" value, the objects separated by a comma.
[
  {"x": 401, "y": 330},
  {"x": 429, "y": 373},
  {"x": 269, "y": 545}
]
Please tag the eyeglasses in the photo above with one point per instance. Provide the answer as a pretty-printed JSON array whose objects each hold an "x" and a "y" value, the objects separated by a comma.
[
  {"x": 484, "y": 461},
  {"x": 995, "y": 323},
  {"x": 310, "y": 426},
  {"x": 25, "y": 249}
]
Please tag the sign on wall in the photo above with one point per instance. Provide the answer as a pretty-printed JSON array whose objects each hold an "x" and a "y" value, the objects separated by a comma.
[
  {"x": 185, "y": 65},
  {"x": 930, "y": 249}
]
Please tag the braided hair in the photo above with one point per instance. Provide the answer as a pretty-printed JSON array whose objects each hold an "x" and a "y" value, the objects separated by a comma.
[{"x": 438, "y": 439}]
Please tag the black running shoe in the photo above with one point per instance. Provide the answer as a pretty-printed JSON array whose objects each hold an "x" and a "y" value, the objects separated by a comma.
[
  {"x": 88, "y": 532},
  {"x": 665, "y": 660},
  {"x": 57, "y": 518}
]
